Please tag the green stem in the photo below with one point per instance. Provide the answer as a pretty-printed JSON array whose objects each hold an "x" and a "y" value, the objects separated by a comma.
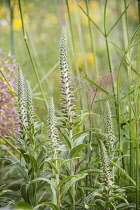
[
  {"x": 117, "y": 106},
  {"x": 8, "y": 83},
  {"x": 80, "y": 34},
  {"x": 92, "y": 42},
  {"x": 72, "y": 36},
  {"x": 137, "y": 159},
  {"x": 10, "y": 144},
  {"x": 11, "y": 7},
  {"x": 131, "y": 143},
  {"x": 126, "y": 41},
  {"x": 57, "y": 179},
  {"x": 72, "y": 165},
  {"x": 29, "y": 52},
  {"x": 137, "y": 122},
  {"x": 107, "y": 46}
]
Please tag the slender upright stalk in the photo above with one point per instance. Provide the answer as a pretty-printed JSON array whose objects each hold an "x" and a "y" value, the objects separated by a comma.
[
  {"x": 68, "y": 107},
  {"x": 10, "y": 144},
  {"x": 29, "y": 52},
  {"x": 137, "y": 157},
  {"x": 11, "y": 7},
  {"x": 137, "y": 122},
  {"x": 117, "y": 105},
  {"x": 107, "y": 46},
  {"x": 128, "y": 56},
  {"x": 126, "y": 41},
  {"x": 92, "y": 41},
  {"x": 4, "y": 78},
  {"x": 72, "y": 36},
  {"x": 80, "y": 34},
  {"x": 72, "y": 166}
]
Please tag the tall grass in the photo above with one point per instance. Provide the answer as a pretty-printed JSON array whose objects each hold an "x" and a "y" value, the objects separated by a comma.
[{"x": 89, "y": 157}]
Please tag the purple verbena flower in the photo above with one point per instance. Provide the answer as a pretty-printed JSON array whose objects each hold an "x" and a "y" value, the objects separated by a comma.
[{"x": 9, "y": 120}]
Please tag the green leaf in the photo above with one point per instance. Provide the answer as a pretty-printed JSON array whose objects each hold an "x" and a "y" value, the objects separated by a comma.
[
  {"x": 68, "y": 184},
  {"x": 22, "y": 206},
  {"x": 33, "y": 161},
  {"x": 31, "y": 192},
  {"x": 76, "y": 150},
  {"x": 66, "y": 161},
  {"x": 92, "y": 171},
  {"x": 99, "y": 88},
  {"x": 66, "y": 139},
  {"x": 5, "y": 191},
  {"x": 117, "y": 21},
  {"x": 132, "y": 39},
  {"x": 38, "y": 145},
  {"x": 126, "y": 206},
  {"x": 24, "y": 193},
  {"x": 51, "y": 164},
  {"x": 22, "y": 171},
  {"x": 91, "y": 20},
  {"x": 46, "y": 75},
  {"x": 53, "y": 206},
  {"x": 65, "y": 179},
  {"x": 108, "y": 203},
  {"x": 80, "y": 139},
  {"x": 8, "y": 158},
  {"x": 41, "y": 157},
  {"x": 132, "y": 68},
  {"x": 86, "y": 131},
  {"x": 123, "y": 172},
  {"x": 45, "y": 180},
  {"x": 54, "y": 196},
  {"x": 88, "y": 206},
  {"x": 117, "y": 47}
]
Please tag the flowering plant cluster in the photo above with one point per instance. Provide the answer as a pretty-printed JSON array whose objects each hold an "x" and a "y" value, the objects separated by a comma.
[{"x": 8, "y": 99}]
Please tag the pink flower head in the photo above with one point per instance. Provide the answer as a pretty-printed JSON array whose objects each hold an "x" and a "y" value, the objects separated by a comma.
[{"x": 9, "y": 120}]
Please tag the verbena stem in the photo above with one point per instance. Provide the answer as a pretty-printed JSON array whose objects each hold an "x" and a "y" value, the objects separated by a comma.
[
  {"x": 11, "y": 7},
  {"x": 29, "y": 52},
  {"x": 72, "y": 167},
  {"x": 92, "y": 41},
  {"x": 10, "y": 144},
  {"x": 8, "y": 83},
  {"x": 137, "y": 121},
  {"x": 72, "y": 36}
]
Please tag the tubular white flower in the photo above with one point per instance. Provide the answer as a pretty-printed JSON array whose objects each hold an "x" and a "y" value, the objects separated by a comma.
[{"x": 68, "y": 97}]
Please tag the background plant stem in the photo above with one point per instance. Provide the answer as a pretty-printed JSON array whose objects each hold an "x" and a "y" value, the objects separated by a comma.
[{"x": 30, "y": 55}]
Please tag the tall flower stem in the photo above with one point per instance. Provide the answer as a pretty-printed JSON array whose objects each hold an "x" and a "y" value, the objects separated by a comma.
[
  {"x": 72, "y": 167},
  {"x": 54, "y": 141},
  {"x": 137, "y": 121},
  {"x": 126, "y": 41},
  {"x": 72, "y": 36},
  {"x": 3, "y": 77},
  {"x": 11, "y": 7},
  {"x": 117, "y": 105},
  {"x": 29, "y": 52},
  {"x": 92, "y": 41},
  {"x": 107, "y": 43},
  {"x": 67, "y": 100}
]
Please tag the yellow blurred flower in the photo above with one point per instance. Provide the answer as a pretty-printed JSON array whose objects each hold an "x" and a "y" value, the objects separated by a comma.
[
  {"x": 132, "y": 12},
  {"x": 80, "y": 61},
  {"x": 82, "y": 4},
  {"x": 94, "y": 12},
  {"x": 17, "y": 25},
  {"x": 2, "y": 11},
  {"x": 71, "y": 6},
  {"x": 52, "y": 18},
  {"x": 89, "y": 59},
  {"x": 93, "y": 5}
]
